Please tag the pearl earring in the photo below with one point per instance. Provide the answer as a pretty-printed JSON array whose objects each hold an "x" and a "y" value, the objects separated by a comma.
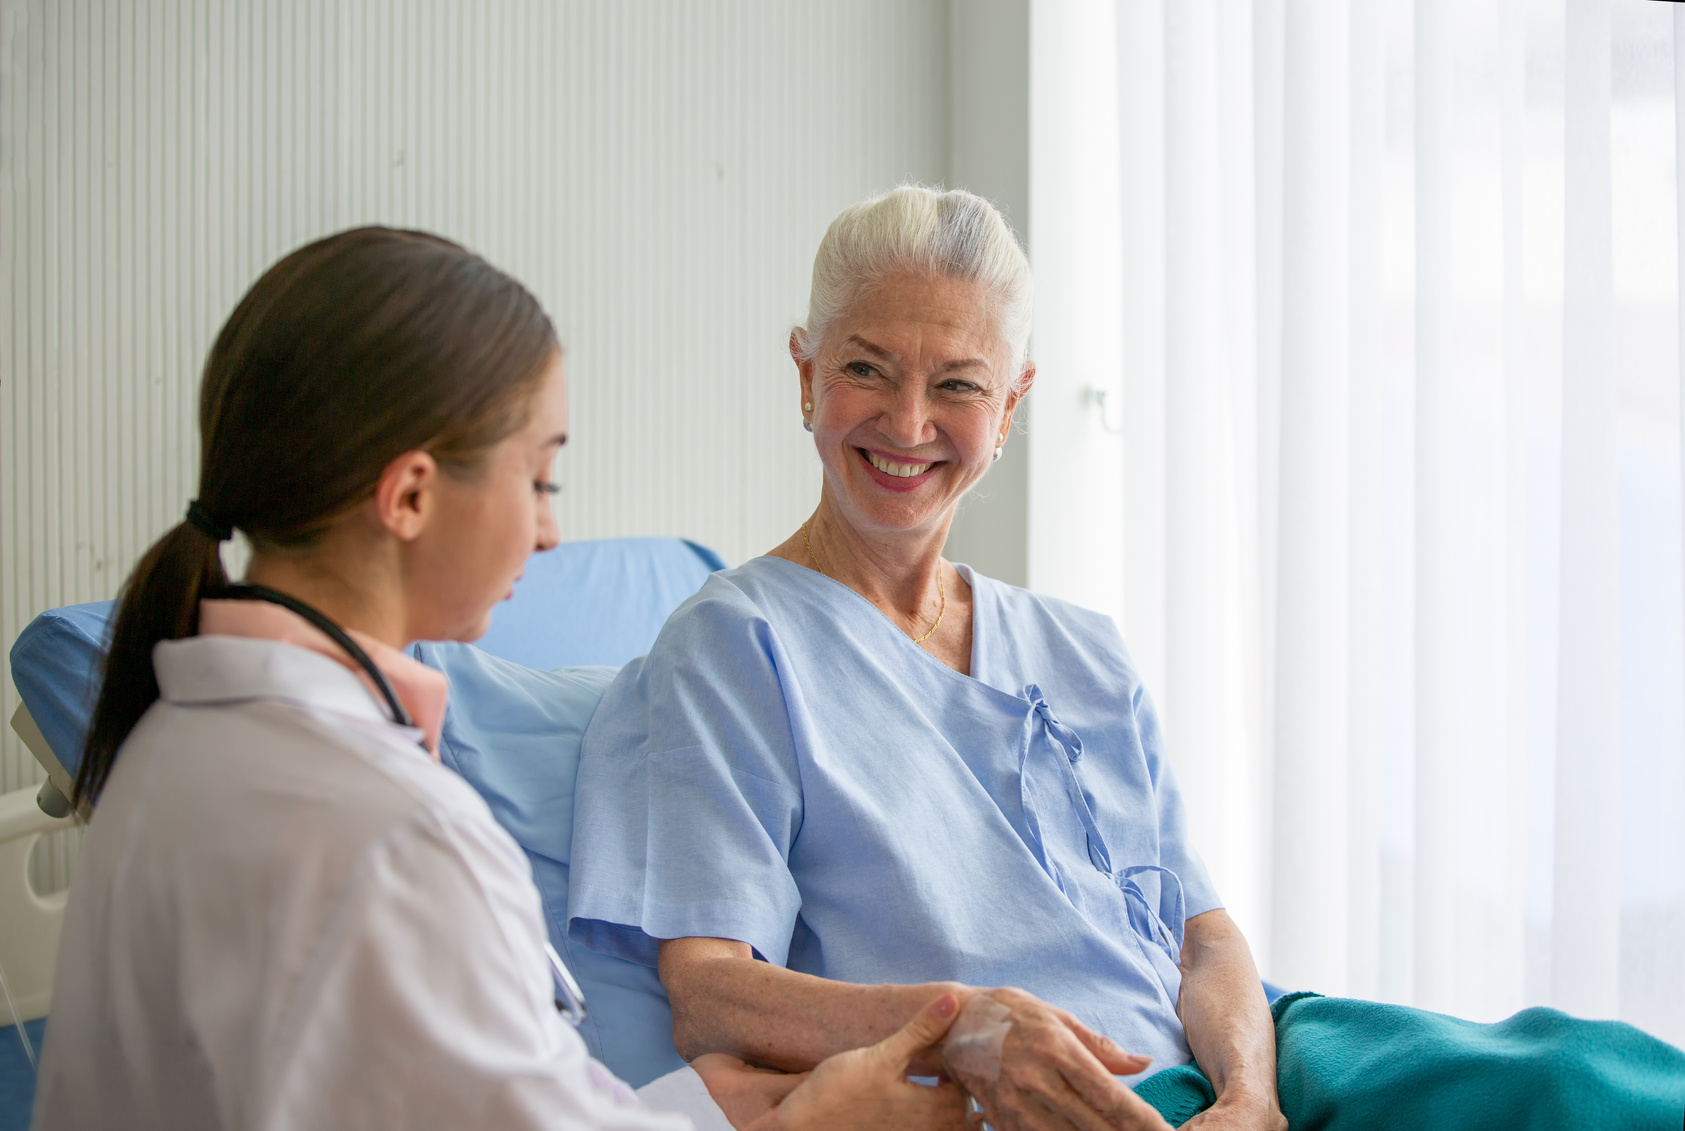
[
  {"x": 807, "y": 406},
  {"x": 1000, "y": 446},
  {"x": 808, "y": 424}
]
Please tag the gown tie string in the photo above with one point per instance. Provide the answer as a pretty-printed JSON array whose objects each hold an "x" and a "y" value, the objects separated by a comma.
[
  {"x": 1099, "y": 853},
  {"x": 1144, "y": 916},
  {"x": 1168, "y": 935}
]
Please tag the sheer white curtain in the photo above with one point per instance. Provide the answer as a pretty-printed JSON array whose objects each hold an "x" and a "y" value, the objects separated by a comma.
[{"x": 1402, "y": 508}]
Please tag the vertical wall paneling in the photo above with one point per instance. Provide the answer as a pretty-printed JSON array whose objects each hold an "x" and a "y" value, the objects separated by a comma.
[{"x": 659, "y": 174}]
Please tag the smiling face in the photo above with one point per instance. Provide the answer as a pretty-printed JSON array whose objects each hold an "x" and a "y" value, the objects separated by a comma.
[{"x": 911, "y": 391}]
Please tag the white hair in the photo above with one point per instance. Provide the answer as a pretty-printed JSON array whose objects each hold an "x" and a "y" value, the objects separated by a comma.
[{"x": 923, "y": 231}]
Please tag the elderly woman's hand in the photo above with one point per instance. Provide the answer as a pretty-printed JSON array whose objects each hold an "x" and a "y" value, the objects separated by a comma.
[
  {"x": 864, "y": 1088},
  {"x": 1034, "y": 1067},
  {"x": 1235, "y": 1112}
]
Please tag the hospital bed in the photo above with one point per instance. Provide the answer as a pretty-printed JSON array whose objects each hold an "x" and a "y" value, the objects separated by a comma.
[{"x": 520, "y": 700}]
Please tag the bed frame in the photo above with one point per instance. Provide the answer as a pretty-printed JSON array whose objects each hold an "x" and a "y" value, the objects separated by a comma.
[{"x": 29, "y": 921}]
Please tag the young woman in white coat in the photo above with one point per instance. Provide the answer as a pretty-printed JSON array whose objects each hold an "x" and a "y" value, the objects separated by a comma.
[{"x": 287, "y": 914}]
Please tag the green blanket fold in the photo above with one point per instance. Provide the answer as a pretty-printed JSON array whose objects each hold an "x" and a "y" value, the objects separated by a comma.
[{"x": 1346, "y": 1065}]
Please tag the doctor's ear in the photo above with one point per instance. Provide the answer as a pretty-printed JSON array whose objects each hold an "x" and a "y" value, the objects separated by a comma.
[{"x": 403, "y": 496}]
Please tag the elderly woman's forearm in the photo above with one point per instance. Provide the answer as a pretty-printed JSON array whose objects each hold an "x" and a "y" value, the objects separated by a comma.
[
  {"x": 724, "y": 1000},
  {"x": 1223, "y": 1009}
]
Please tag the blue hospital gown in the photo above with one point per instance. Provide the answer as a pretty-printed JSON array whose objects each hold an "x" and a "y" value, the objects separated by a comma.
[{"x": 788, "y": 769}]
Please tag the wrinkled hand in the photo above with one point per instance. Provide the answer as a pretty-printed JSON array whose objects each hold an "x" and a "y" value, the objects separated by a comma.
[
  {"x": 863, "y": 1088},
  {"x": 1055, "y": 1074},
  {"x": 1235, "y": 1112}
]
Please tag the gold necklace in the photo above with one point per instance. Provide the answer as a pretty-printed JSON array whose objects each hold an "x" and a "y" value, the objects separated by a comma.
[
  {"x": 810, "y": 552},
  {"x": 941, "y": 589}
]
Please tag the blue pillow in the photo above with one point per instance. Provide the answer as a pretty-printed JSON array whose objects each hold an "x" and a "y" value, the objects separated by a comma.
[
  {"x": 56, "y": 662},
  {"x": 596, "y": 602},
  {"x": 513, "y": 732}
]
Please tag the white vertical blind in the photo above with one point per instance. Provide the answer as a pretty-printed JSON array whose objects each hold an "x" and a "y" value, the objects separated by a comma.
[
  {"x": 1403, "y": 536},
  {"x": 1668, "y": 923},
  {"x": 660, "y": 174},
  {"x": 1308, "y": 919},
  {"x": 1142, "y": 128},
  {"x": 1367, "y": 691},
  {"x": 1209, "y": 436},
  {"x": 1585, "y": 923},
  {"x": 1197, "y": 477},
  {"x": 1650, "y": 858},
  {"x": 1462, "y": 886},
  {"x": 1075, "y": 464}
]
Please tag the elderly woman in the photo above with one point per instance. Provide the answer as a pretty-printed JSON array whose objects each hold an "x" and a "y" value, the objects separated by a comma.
[
  {"x": 851, "y": 776},
  {"x": 890, "y": 776}
]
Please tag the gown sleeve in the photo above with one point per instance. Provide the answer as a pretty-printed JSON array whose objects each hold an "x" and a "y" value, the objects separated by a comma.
[
  {"x": 1176, "y": 850},
  {"x": 689, "y": 797}
]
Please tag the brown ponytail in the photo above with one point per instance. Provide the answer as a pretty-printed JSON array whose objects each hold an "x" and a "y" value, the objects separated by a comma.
[{"x": 344, "y": 355}]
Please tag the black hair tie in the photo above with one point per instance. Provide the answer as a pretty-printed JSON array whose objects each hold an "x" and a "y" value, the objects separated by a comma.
[{"x": 200, "y": 519}]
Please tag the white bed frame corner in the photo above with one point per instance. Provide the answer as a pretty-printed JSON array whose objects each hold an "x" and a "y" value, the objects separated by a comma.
[{"x": 30, "y": 922}]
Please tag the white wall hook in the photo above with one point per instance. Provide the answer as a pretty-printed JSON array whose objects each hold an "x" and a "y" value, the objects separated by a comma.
[{"x": 1100, "y": 399}]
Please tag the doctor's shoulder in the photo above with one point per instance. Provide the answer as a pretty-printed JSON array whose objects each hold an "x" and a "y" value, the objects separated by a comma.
[{"x": 316, "y": 782}]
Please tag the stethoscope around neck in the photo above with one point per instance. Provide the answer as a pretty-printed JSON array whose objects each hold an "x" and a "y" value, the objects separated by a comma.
[
  {"x": 570, "y": 999},
  {"x": 245, "y": 591}
]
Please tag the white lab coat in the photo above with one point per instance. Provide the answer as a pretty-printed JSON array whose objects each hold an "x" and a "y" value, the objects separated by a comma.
[{"x": 286, "y": 916}]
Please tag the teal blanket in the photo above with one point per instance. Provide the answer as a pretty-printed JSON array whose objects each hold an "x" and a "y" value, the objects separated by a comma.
[{"x": 1345, "y": 1064}]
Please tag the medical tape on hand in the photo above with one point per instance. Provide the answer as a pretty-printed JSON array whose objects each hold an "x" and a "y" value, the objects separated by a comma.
[{"x": 973, "y": 1045}]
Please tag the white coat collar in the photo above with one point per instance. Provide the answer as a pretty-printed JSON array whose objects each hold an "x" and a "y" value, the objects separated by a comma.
[{"x": 232, "y": 669}]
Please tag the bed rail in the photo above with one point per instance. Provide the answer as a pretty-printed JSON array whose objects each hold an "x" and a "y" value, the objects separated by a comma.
[{"x": 29, "y": 921}]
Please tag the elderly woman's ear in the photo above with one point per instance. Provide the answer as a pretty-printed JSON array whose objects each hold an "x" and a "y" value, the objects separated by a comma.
[
  {"x": 804, "y": 370},
  {"x": 1020, "y": 387},
  {"x": 1026, "y": 378}
]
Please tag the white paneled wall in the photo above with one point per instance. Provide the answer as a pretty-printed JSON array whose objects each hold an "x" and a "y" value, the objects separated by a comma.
[{"x": 658, "y": 172}]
